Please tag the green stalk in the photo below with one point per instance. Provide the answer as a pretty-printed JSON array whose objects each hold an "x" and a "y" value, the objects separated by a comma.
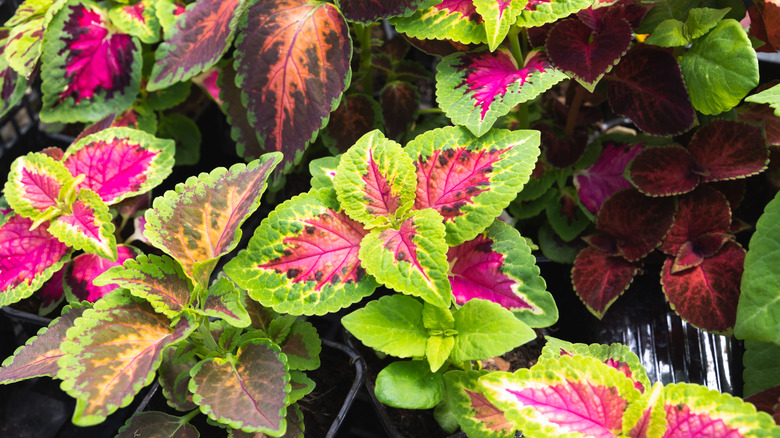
[
  {"x": 205, "y": 334},
  {"x": 363, "y": 33},
  {"x": 514, "y": 45}
]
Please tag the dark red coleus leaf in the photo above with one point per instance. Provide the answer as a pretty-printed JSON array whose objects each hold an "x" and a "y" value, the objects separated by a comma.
[
  {"x": 762, "y": 114},
  {"x": 664, "y": 171},
  {"x": 637, "y": 222},
  {"x": 599, "y": 278},
  {"x": 693, "y": 252},
  {"x": 440, "y": 47},
  {"x": 733, "y": 190},
  {"x": 701, "y": 212},
  {"x": 367, "y": 11},
  {"x": 729, "y": 150},
  {"x": 562, "y": 152},
  {"x": 356, "y": 115},
  {"x": 707, "y": 295},
  {"x": 247, "y": 143},
  {"x": 399, "y": 101},
  {"x": 648, "y": 88}
]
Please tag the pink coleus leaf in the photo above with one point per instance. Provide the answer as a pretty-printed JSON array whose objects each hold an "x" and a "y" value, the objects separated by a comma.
[
  {"x": 604, "y": 177},
  {"x": 648, "y": 88},
  {"x": 664, "y": 171},
  {"x": 498, "y": 266},
  {"x": 706, "y": 295},
  {"x": 587, "y": 54},
  {"x": 196, "y": 42},
  {"x": 637, "y": 223},
  {"x": 89, "y": 70},
  {"x": 476, "y": 88},
  {"x": 86, "y": 267},
  {"x": 27, "y": 258},
  {"x": 701, "y": 212},
  {"x": 729, "y": 150},
  {"x": 52, "y": 292},
  {"x": 600, "y": 278},
  {"x": 37, "y": 186},
  {"x": 475, "y": 414},
  {"x": 455, "y": 20},
  {"x": 290, "y": 98},
  {"x": 120, "y": 162},
  {"x": 367, "y": 11},
  {"x": 87, "y": 226}
]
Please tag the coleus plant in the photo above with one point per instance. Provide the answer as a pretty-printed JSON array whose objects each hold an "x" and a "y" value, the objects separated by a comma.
[
  {"x": 216, "y": 351},
  {"x": 59, "y": 203}
]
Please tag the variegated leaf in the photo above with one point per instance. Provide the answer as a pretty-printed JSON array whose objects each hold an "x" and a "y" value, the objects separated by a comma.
[
  {"x": 498, "y": 16},
  {"x": 38, "y": 187},
  {"x": 12, "y": 84},
  {"x": 474, "y": 413},
  {"x": 539, "y": 12},
  {"x": 367, "y": 11},
  {"x": 157, "y": 424},
  {"x": 455, "y": 20},
  {"x": 223, "y": 300},
  {"x": 302, "y": 346},
  {"x": 85, "y": 268},
  {"x": 138, "y": 20},
  {"x": 87, "y": 225}
]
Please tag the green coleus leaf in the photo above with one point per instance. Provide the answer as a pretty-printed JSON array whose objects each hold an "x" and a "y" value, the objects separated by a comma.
[
  {"x": 196, "y": 42},
  {"x": 201, "y": 219},
  {"x": 104, "y": 369},
  {"x": 769, "y": 96},
  {"x": 26, "y": 34},
  {"x": 247, "y": 391},
  {"x": 539, "y": 12},
  {"x": 555, "y": 398},
  {"x": 469, "y": 180},
  {"x": 292, "y": 95},
  {"x": 39, "y": 355},
  {"x": 702, "y": 20},
  {"x": 28, "y": 258},
  {"x": 498, "y": 16},
  {"x": 474, "y": 413},
  {"x": 411, "y": 259},
  {"x": 39, "y": 187},
  {"x": 168, "y": 13},
  {"x": 89, "y": 70},
  {"x": 159, "y": 280},
  {"x": 720, "y": 68},
  {"x": 476, "y": 88},
  {"x": 223, "y": 300},
  {"x": 174, "y": 375},
  {"x": 669, "y": 33},
  {"x": 437, "y": 318},
  {"x": 152, "y": 423},
  {"x": 375, "y": 180},
  {"x": 367, "y": 11},
  {"x": 87, "y": 225},
  {"x": 392, "y": 324},
  {"x": 758, "y": 311},
  {"x": 301, "y": 386},
  {"x": 12, "y": 84},
  {"x": 455, "y": 20},
  {"x": 323, "y": 172},
  {"x": 409, "y": 385},
  {"x": 185, "y": 132},
  {"x": 485, "y": 329},
  {"x": 762, "y": 367},
  {"x": 438, "y": 349},
  {"x": 138, "y": 20},
  {"x": 303, "y": 259},
  {"x": 118, "y": 163},
  {"x": 302, "y": 346}
]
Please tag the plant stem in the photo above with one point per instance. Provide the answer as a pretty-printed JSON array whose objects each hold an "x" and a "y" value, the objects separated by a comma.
[
  {"x": 574, "y": 111},
  {"x": 363, "y": 32},
  {"x": 514, "y": 45},
  {"x": 205, "y": 334},
  {"x": 430, "y": 111},
  {"x": 190, "y": 415}
]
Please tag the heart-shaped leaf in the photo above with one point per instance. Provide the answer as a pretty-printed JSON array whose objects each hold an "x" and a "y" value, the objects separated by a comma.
[
  {"x": 292, "y": 95},
  {"x": 38, "y": 186},
  {"x": 375, "y": 180},
  {"x": 411, "y": 259},
  {"x": 196, "y": 42},
  {"x": 85, "y": 268},
  {"x": 475, "y": 414},
  {"x": 707, "y": 295},
  {"x": 469, "y": 180},
  {"x": 539, "y": 12},
  {"x": 39, "y": 355},
  {"x": 498, "y": 16},
  {"x": 120, "y": 162},
  {"x": 729, "y": 150},
  {"x": 89, "y": 70},
  {"x": 104, "y": 369},
  {"x": 455, "y": 20},
  {"x": 703, "y": 211},
  {"x": 138, "y": 20},
  {"x": 648, "y": 88},
  {"x": 303, "y": 259},
  {"x": 485, "y": 330},
  {"x": 474, "y": 89},
  {"x": 356, "y": 115},
  {"x": 27, "y": 258},
  {"x": 664, "y": 171},
  {"x": 600, "y": 278},
  {"x": 392, "y": 324},
  {"x": 151, "y": 423},
  {"x": 247, "y": 391},
  {"x": 201, "y": 219},
  {"x": 367, "y": 11},
  {"x": 606, "y": 175},
  {"x": 87, "y": 226},
  {"x": 498, "y": 266},
  {"x": 302, "y": 346}
]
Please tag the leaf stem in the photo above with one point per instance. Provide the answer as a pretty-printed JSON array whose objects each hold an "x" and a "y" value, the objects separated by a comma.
[
  {"x": 436, "y": 110},
  {"x": 190, "y": 415},
  {"x": 363, "y": 32},
  {"x": 205, "y": 334},
  {"x": 574, "y": 111},
  {"x": 514, "y": 45}
]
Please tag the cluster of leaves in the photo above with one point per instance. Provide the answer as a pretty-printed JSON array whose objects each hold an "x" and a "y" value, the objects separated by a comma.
[
  {"x": 216, "y": 352},
  {"x": 59, "y": 203}
]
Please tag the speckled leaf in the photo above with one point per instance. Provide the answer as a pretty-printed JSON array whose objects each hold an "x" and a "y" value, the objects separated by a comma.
[
  {"x": 705, "y": 211},
  {"x": 174, "y": 375},
  {"x": 392, "y": 324},
  {"x": 104, "y": 369},
  {"x": 156, "y": 279},
  {"x": 498, "y": 266},
  {"x": 290, "y": 96},
  {"x": 200, "y": 220},
  {"x": 665, "y": 171},
  {"x": 12, "y": 85},
  {"x": 39, "y": 355},
  {"x": 648, "y": 88},
  {"x": 600, "y": 278},
  {"x": 323, "y": 172},
  {"x": 89, "y": 70},
  {"x": 556, "y": 398},
  {"x": 247, "y": 391},
  {"x": 303, "y": 259},
  {"x": 152, "y": 424},
  {"x": 27, "y": 258},
  {"x": 87, "y": 226},
  {"x": 302, "y": 346},
  {"x": 498, "y": 16},
  {"x": 83, "y": 269},
  {"x": 539, "y": 12},
  {"x": 400, "y": 102},
  {"x": 196, "y": 42},
  {"x": 120, "y": 162},
  {"x": 729, "y": 150},
  {"x": 411, "y": 259},
  {"x": 469, "y": 180},
  {"x": 606, "y": 175},
  {"x": 356, "y": 115},
  {"x": 39, "y": 187},
  {"x": 707, "y": 294},
  {"x": 375, "y": 180},
  {"x": 25, "y": 35},
  {"x": 476, "y": 88},
  {"x": 485, "y": 330},
  {"x": 138, "y": 20},
  {"x": 455, "y": 20},
  {"x": 224, "y": 301},
  {"x": 475, "y": 414},
  {"x": 367, "y": 11}
]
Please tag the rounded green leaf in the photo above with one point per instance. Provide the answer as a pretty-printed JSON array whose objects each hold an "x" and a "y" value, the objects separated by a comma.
[
  {"x": 392, "y": 324},
  {"x": 409, "y": 385},
  {"x": 485, "y": 329}
]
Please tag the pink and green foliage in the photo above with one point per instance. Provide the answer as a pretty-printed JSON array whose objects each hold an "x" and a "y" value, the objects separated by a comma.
[
  {"x": 366, "y": 11},
  {"x": 599, "y": 181},
  {"x": 475, "y": 414},
  {"x": 150, "y": 423},
  {"x": 295, "y": 57},
  {"x": 52, "y": 293},
  {"x": 539, "y": 12},
  {"x": 498, "y": 16},
  {"x": 12, "y": 85},
  {"x": 456, "y": 20},
  {"x": 84, "y": 268},
  {"x": 196, "y": 42},
  {"x": 474, "y": 89},
  {"x": 89, "y": 69},
  {"x": 39, "y": 187},
  {"x": 23, "y": 46},
  {"x": 138, "y": 20},
  {"x": 87, "y": 225}
]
